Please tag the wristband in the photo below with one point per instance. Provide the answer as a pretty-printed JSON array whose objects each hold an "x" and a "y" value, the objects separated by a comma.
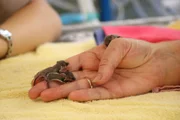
[{"x": 7, "y": 36}]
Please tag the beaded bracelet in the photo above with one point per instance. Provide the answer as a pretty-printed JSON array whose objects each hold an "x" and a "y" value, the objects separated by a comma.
[{"x": 7, "y": 36}]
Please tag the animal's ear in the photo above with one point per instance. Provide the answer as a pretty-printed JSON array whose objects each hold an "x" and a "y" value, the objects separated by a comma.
[
  {"x": 109, "y": 38},
  {"x": 62, "y": 62},
  {"x": 58, "y": 62}
]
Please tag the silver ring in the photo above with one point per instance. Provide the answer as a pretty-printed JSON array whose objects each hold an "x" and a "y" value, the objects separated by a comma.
[{"x": 90, "y": 83}]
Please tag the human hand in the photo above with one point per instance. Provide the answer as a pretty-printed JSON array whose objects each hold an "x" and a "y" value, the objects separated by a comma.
[
  {"x": 130, "y": 67},
  {"x": 3, "y": 48}
]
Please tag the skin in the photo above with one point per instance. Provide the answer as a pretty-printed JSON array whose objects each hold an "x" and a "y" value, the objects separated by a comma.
[
  {"x": 126, "y": 67},
  {"x": 31, "y": 26}
]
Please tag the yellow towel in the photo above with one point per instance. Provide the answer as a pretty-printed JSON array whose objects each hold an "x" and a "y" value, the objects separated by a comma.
[
  {"x": 175, "y": 25},
  {"x": 17, "y": 72}
]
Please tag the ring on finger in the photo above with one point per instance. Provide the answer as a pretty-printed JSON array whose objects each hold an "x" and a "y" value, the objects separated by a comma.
[{"x": 90, "y": 83}]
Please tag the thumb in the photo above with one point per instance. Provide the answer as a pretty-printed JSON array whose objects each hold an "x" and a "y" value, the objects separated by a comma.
[{"x": 113, "y": 55}]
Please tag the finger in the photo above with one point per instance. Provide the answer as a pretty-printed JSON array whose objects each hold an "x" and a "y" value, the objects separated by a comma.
[
  {"x": 36, "y": 90},
  {"x": 86, "y": 60},
  {"x": 74, "y": 63},
  {"x": 39, "y": 87},
  {"x": 111, "y": 58},
  {"x": 63, "y": 90},
  {"x": 90, "y": 94},
  {"x": 84, "y": 74}
]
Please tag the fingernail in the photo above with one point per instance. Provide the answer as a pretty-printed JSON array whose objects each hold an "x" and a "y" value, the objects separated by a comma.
[{"x": 97, "y": 78}]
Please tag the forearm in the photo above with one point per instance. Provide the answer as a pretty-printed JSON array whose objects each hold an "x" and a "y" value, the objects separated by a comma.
[
  {"x": 170, "y": 53},
  {"x": 31, "y": 26},
  {"x": 3, "y": 47},
  {"x": 175, "y": 48}
]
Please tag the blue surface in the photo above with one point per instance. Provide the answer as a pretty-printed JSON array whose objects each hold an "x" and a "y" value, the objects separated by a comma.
[
  {"x": 99, "y": 36},
  {"x": 105, "y": 10},
  {"x": 70, "y": 18}
]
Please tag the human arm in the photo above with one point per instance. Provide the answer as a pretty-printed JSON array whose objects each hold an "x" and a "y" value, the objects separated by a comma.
[
  {"x": 111, "y": 59},
  {"x": 144, "y": 67},
  {"x": 170, "y": 52},
  {"x": 34, "y": 24}
]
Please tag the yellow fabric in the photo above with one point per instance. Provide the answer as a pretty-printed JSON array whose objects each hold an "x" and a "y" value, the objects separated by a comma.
[
  {"x": 175, "y": 25},
  {"x": 17, "y": 72}
]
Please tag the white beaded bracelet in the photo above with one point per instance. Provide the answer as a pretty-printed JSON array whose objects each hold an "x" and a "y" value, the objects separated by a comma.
[{"x": 7, "y": 36}]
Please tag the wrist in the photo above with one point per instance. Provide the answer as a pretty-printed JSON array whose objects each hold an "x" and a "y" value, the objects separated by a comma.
[
  {"x": 169, "y": 52},
  {"x": 3, "y": 48}
]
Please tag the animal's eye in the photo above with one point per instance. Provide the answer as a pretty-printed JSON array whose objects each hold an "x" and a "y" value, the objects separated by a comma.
[{"x": 62, "y": 79}]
